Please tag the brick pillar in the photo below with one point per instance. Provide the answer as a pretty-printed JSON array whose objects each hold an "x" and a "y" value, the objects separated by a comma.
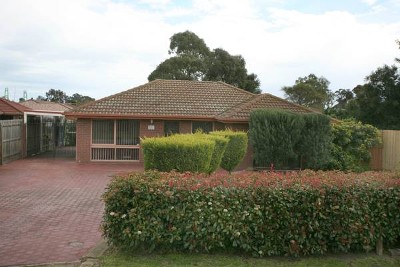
[
  {"x": 148, "y": 129},
  {"x": 83, "y": 139}
]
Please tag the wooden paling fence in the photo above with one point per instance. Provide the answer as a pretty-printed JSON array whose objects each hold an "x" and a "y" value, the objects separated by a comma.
[
  {"x": 10, "y": 140},
  {"x": 387, "y": 155}
]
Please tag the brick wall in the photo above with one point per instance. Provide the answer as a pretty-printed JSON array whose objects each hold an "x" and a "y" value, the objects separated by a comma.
[
  {"x": 83, "y": 137},
  {"x": 145, "y": 131},
  {"x": 185, "y": 127}
]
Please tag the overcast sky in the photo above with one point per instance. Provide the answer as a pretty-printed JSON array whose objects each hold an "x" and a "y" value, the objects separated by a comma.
[{"x": 101, "y": 47}]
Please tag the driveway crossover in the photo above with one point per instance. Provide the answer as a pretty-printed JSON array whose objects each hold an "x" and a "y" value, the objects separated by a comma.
[{"x": 51, "y": 209}]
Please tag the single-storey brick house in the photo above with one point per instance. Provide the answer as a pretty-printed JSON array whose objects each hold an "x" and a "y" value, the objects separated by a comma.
[{"x": 110, "y": 129}]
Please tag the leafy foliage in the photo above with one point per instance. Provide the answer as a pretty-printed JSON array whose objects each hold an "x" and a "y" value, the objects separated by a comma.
[
  {"x": 340, "y": 110},
  {"x": 351, "y": 145},
  {"x": 188, "y": 43},
  {"x": 184, "y": 67},
  {"x": 235, "y": 149},
  {"x": 193, "y": 60},
  {"x": 309, "y": 91},
  {"x": 79, "y": 99},
  {"x": 303, "y": 213},
  {"x": 59, "y": 96},
  {"x": 231, "y": 69},
  {"x": 378, "y": 101},
  {"x": 178, "y": 152},
  {"x": 281, "y": 138}
]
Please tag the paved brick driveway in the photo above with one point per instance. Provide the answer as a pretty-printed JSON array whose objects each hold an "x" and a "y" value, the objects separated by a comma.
[{"x": 50, "y": 209}]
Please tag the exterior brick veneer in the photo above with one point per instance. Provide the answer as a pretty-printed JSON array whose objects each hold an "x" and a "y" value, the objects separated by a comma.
[{"x": 83, "y": 137}]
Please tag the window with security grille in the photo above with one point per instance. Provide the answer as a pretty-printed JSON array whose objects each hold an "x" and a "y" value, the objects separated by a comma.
[{"x": 115, "y": 140}]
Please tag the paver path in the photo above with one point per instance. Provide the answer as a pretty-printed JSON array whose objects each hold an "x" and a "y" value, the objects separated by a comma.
[{"x": 51, "y": 209}]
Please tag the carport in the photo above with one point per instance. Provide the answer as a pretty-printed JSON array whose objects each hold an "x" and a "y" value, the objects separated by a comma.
[
  {"x": 51, "y": 134},
  {"x": 34, "y": 128}
]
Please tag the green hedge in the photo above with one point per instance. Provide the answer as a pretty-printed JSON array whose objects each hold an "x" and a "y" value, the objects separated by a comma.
[
  {"x": 275, "y": 135},
  {"x": 290, "y": 140},
  {"x": 259, "y": 213},
  {"x": 235, "y": 150},
  {"x": 178, "y": 152},
  {"x": 315, "y": 142}
]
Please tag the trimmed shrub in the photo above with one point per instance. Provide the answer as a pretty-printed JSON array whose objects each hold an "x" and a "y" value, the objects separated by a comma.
[
  {"x": 351, "y": 145},
  {"x": 260, "y": 213},
  {"x": 235, "y": 150},
  {"x": 219, "y": 150},
  {"x": 315, "y": 141},
  {"x": 178, "y": 152},
  {"x": 275, "y": 135}
]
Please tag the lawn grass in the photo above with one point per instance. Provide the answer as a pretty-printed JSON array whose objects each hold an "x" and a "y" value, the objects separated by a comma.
[{"x": 114, "y": 258}]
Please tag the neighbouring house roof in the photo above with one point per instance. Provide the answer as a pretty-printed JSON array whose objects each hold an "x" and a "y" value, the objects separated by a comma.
[
  {"x": 47, "y": 106},
  {"x": 181, "y": 99},
  {"x": 8, "y": 107}
]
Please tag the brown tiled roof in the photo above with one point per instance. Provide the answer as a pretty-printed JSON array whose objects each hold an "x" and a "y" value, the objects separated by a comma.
[
  {"x": 8, "y": 107},
  {"x": 242, "y": 111},
  {"x": 178, "y": 99},
  {"x": 169, "y": 98},
  {"x": 38, "y": 105}
]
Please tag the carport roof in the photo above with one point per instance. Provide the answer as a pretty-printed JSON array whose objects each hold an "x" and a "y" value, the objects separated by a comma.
[
  {"x": 8, "y": 107},
  {"x": 47, "y": 106}
]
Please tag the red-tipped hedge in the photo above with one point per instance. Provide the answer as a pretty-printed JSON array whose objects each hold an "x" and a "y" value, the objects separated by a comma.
[{"x": 260, "y": 213}]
